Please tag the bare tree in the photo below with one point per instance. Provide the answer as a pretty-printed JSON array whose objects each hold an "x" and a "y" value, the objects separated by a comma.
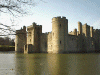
[{"x": 16, "y": 6}]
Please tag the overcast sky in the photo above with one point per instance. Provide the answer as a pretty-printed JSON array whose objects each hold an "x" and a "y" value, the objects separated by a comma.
[{"x": 85, "y": 11}]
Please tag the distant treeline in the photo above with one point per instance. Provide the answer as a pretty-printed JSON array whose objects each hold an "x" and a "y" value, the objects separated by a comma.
[{"x": 7, "y": 41}]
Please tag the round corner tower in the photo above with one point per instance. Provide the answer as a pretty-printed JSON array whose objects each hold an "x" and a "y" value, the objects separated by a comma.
[
  {"x": 59, "y": 34},
  {"x": 20, "y": 40}
]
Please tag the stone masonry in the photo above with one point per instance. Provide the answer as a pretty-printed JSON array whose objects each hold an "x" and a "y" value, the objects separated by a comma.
[{"x": 86, "y": 39}]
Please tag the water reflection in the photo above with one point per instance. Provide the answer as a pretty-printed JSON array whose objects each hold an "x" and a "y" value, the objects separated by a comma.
[
  {"x": 31, "y": 64},
  {"x": 88, "y": 63},
  {"x": 50, "y": 64},
  {"x": 62, "y": 64},
  {"x": 7, "y": 64},
  {"x": 74, "y": 64},
  {"x": 20, "y": 64}
]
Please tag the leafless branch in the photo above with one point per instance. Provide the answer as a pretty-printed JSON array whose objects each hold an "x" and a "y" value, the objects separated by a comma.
[
  {"x": 7, "y": 27},
  {"x": 15, "y": 8}
]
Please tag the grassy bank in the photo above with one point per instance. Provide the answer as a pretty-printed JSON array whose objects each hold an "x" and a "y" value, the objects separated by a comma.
[{"x": 7, "y": 48}]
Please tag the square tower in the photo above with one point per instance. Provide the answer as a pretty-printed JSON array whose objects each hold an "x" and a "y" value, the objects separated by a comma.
[{"x": 33, "y": 37}]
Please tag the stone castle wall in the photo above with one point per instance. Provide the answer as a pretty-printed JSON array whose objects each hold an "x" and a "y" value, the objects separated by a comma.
[
  {"x": 96, "y": 38},
  {"x": 20, "y": 39},
  {"x": 49, "y": 43},
  {"x": 72, "y": 46},
  {"x": 43, "y": 43},
  {"x": 86, "y": 39}
]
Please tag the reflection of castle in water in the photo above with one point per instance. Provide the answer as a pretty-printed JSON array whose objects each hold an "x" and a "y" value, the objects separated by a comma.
[{"x": 86, "y": 39}]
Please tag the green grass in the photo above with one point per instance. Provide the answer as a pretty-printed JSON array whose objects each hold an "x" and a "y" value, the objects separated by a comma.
[{"x": 6, "y": 46}]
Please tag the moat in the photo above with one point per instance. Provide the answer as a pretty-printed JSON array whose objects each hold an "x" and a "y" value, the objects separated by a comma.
[{"x": 12, "y": 63}]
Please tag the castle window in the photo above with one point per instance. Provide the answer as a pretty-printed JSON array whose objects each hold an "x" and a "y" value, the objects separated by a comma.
[
  {"x": 92, "y": 43},
  {"x": 45, "y": 44},
  {"x": 53, "y": 34},
  {"x": 60, "y": 42},
  {"x": 30, "y": 40},
  {"x": 60, "y": 25}
]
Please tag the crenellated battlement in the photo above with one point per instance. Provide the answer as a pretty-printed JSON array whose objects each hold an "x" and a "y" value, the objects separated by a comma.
[
  {"x": 84, "y": 39},
  {"x": 91, "y": 27},
  {"x": 34, "y": 25},
  {"x": 59, "y": 18},
  {"x": 79, "y": 22},
  {"x": 18, "y": 31},
  {"x": 86, "y": 25},
  {"x": 96, "y": 31},
  {"x": 38, "y": 26},
  {"x": 31, "y": 26},
  {"x": 47, "y": 33},
  {"x": 22, "y": 30},
  {"x": 73, "y": 32}
]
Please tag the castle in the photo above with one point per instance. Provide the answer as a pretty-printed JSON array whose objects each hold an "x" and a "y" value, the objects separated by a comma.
[{"x": 86, "y": 39}]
